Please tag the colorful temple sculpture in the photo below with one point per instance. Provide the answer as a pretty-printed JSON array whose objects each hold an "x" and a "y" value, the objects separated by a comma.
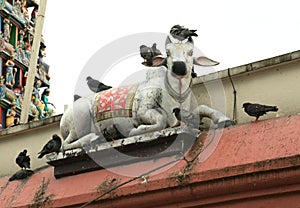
[{"x": 17, "y": 19}]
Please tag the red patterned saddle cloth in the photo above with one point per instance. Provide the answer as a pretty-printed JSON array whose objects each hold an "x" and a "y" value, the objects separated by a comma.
[{"x": 115, "y": 102}]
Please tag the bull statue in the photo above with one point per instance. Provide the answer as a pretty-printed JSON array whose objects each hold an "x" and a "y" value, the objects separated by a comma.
[{"x": 140, "y": 108}]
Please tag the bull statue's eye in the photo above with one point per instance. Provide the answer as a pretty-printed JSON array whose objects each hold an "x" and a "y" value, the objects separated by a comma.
[{"x": 190, "y": 53}]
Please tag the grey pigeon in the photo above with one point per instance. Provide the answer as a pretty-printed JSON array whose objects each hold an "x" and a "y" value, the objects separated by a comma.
[
  {"x": 52, "y": 146},
  {"x": 186, "y": 117},
  {"x": 23, "y": 160},
  {"x": 181, "y": 33},
  {"x": 257, "y": 110},
  {"x": 21, "y": 174},
  {"x": 147, "y": 54},
  {"x": 95, "y": 85}
]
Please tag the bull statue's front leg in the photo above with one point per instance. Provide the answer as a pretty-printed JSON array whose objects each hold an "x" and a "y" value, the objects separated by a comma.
[
  {"x": 217, "y": 117},
  {"x": 87, "y": 139},
  {"x": 156, "y": 118}
]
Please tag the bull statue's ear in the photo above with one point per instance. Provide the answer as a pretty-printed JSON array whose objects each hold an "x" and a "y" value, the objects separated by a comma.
[
  {"x": 159, "y": 61},
  {"x": 204, "y": 61}
]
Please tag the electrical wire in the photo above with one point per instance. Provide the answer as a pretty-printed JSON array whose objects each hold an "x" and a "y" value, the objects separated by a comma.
[{"x": 234, "y": 97}]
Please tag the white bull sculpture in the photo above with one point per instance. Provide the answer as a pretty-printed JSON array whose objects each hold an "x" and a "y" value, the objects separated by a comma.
[{"x": 141, "y": 108}]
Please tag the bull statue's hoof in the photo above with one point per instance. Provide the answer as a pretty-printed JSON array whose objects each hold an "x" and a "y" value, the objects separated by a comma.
[{"x": 227, "y": 123}]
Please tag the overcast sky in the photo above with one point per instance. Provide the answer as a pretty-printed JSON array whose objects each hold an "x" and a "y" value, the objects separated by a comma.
[{"x": 232, "y": 32}]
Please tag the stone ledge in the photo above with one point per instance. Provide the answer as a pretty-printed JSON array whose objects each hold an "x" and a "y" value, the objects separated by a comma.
[
  {"x": 30, "y": 125},
  {"x": 150, "y": 146}
]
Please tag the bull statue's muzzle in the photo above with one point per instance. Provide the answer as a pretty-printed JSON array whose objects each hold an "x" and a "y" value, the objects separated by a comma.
[{"x": 179, "y": 68}]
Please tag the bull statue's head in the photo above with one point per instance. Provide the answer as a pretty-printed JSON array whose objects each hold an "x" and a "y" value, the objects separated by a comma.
[{"x": 180, "y": 58}]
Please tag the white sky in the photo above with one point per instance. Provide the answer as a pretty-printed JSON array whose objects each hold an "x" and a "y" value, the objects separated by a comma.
[{"x": 232, "y": 32}]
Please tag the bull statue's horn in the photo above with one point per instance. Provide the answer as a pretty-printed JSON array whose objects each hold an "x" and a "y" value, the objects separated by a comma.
[{"x": 168, "y": 41}]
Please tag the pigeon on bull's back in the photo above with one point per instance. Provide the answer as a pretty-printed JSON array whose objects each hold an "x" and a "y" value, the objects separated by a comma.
[
  {"x": 95, "y": 85},
  {"x": 23, "y": 160},
  {"x": 52, "y": 145},
  {"x": 257, "y": 110},
  {"x": 181, "y": 33},
  {"x": 148, "y": 53}
]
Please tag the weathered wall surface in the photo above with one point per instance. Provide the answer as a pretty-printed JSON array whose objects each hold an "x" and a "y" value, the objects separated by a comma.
[
  {"x": 253, "y": 165},
  {"x": 260, "y": 82}
]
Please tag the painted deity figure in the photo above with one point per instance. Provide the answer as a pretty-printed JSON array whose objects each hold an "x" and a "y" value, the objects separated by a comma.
[
  {"x": 10, "y": 72},
  {"x": 11, "y": 116},
  {"x": 45, "y": 98},
  {"x": 2, "y": 87},
  {"x": 7, "y": 28},
  {"x": 36, "y": 99},
  {"x": 34, "y": 14},
  {"x": 42, "y": 53}
]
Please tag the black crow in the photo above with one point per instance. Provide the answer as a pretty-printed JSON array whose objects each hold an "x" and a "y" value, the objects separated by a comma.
[
  {"x": 52, "y": 146},
  {"x": 21, "y": 174},
  {"x": 257, "y": 110},
  {"x": 181, "y": 33},
  {"x": 23, "y": 160},
  {"x": 186, "y": 117},
  {"x": 95, "y": 85}
]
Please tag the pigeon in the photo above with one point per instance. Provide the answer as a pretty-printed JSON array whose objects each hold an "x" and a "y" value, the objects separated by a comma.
[
  {"x": 52, "y": 146},
  {"x": 257, "y": 110},
  {"x": 23, "y": 160},
  {"x": 148, "y": 54},
  {"x": 95, "y": 85},
  {"x": 181, "y": 33},
  {"x": 21, "y": 174},
  {"x": 186, "y": 117}
]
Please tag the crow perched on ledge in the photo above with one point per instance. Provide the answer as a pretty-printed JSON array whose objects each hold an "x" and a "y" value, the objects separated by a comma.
[
  {"x": 52, "y": 146},
  {"x": 23, "y": 160}
]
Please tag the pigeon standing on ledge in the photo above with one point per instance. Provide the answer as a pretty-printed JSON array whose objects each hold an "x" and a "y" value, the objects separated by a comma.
[
  {"x": 257, "y": 110},
  {"x": 52, "y": 146},
  {"x": 23, "y": 160},
  {"x": 181, "y": 33},
  {"x": 95, "y": 85}
]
